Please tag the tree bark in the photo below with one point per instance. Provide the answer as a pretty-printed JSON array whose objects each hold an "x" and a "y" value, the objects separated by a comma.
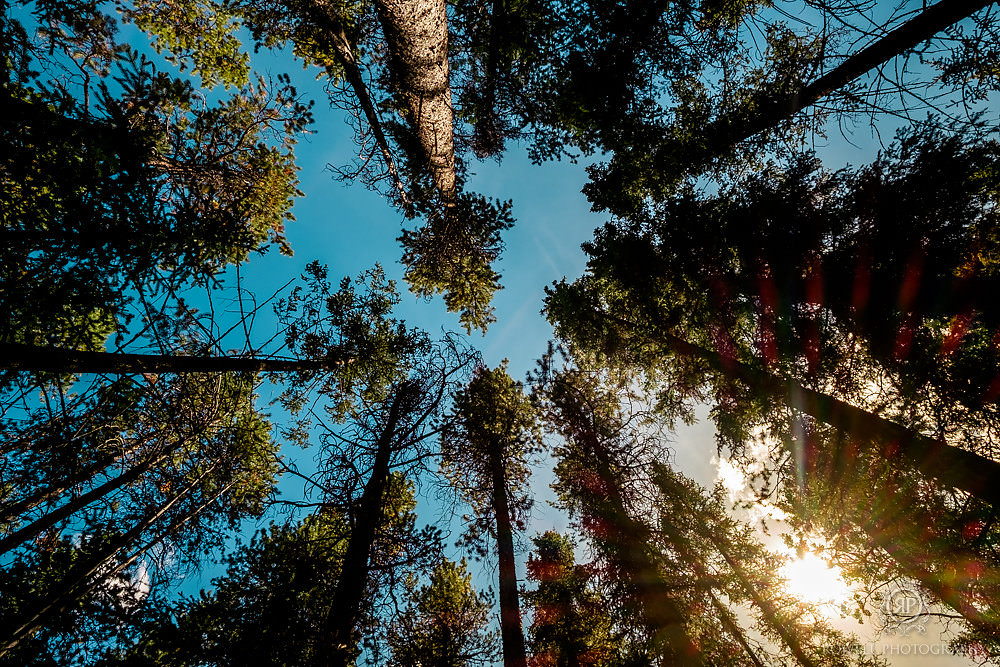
[
  {"x": 416, "y": 32},
  {"x": 18, "y": 537},
  {"x": 511, "y": 629},
  {"x": 957, "y": 468},
  {"x": 343, "y": 618},
  {"x": 101, "y": 563},
  {"x": 32, "y": 358}
]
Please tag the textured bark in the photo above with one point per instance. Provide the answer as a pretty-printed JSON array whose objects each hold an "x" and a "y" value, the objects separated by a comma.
[
  {"x": 343, "y": 619},
  {"x": 20, "y": 357},
  {"x": 416, "y": 32},
  {"x": 511, "y": 629}
]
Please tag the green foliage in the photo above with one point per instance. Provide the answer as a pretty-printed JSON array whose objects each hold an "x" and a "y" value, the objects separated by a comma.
[
  {"x": 571, "y": 624},
  {"x": 492, "y": 425},
  {"x": 452, "y": 254},
  {"x": 352, "y": 325},
  {"x": 269, "y": 607},
  {"x": 445, "y": 623},
  {"x": 195, "y": 34}
]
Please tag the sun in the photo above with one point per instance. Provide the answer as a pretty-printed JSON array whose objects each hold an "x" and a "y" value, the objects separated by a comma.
[{"x": 812, "y": 580}]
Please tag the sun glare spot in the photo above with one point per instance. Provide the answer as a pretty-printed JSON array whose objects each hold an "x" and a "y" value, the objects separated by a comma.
[{"x": 811, "y": 579}]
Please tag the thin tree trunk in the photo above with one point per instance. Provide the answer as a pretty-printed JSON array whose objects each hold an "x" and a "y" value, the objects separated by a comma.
[
  {"x": 343, "y": 618},
  {"x": 20, "y": 536},
  {"x": 32, "y": 358},
  {"x": 511, "y": 629},
  {"x": 631, "y": 540},
  {"x": 729, "y": 622},
  {"x": 697, "y": 563},
  {"x": 954, "y": 467},
  {"x": 334, "y": 30},
  {"x": 100, "y": 564},
  {"x": 911, "y": 34},
  {"x": 39, "y": 496},
  {"x": 726, "y": 132},
  {"x": 416, "y": 32},
  {"x": 767, "y": 609}
]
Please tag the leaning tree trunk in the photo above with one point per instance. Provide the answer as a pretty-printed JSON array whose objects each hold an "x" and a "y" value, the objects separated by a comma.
[
  {"x": 954, "y": 467},
  {"x": 416, "y": 32},
  {"x": 908, "y": 36},
  {"x": 630, "y": 540},
  {"x": 39, "y": 496},
  {"x": 101, "y": 567},
  {"x": 332, "y": 30},
  {"x": 724, "y": 133},
  {"x": 679, "y": 544},
  {"x": 343, "y": 618},
  {"x": 511, "y": 630},
  {"x": 767, "y": 609},
  {"x": 33, "y": 358},
  {"x": 50, "y": 519}
]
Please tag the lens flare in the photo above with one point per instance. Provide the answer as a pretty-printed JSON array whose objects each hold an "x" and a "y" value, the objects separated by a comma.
[{"x": 811, "y": 579}]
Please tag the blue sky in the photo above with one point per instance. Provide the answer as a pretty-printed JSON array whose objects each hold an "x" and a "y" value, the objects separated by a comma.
[{"x": 351, "y": 228}]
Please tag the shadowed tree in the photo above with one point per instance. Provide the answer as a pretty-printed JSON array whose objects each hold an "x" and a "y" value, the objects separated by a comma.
[
  {"x": 445, "y": 623},
  {"x": 823, "y": 291},
  {"x": 591, "y": 484},
  {"x": 273, "y": 603},
  {"x": 162, "y": 502},
  {"x": 571, "y": 625},
  {"x": 485, "y": 449}
]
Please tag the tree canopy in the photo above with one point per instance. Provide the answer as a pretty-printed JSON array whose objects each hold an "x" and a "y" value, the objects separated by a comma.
[{"x": 358, "y": 488}]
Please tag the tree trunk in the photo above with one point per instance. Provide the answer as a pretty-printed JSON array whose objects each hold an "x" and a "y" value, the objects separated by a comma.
[
  {"x": 729, "y": 622},
  {"x": 719, "y": 136},
  {"x": 101, "y": 563},
  {"x": 911, "y": 34},
  {"x": 334, "y": 30},
  {"x": 767, "y": 609},
  {"x": 957, "y": 468},
  {"x": 697, "y": 563},
  {"x": 18, "y": 537},
  {"x": 38, "y": 496},
  {"x": 416, "y": 32},
  {"x": 350, "y": 592},
  {"x": 31, "y": 358},
  {"x": 511, "y": 629},
  {"x": 631, "y": 539}
]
